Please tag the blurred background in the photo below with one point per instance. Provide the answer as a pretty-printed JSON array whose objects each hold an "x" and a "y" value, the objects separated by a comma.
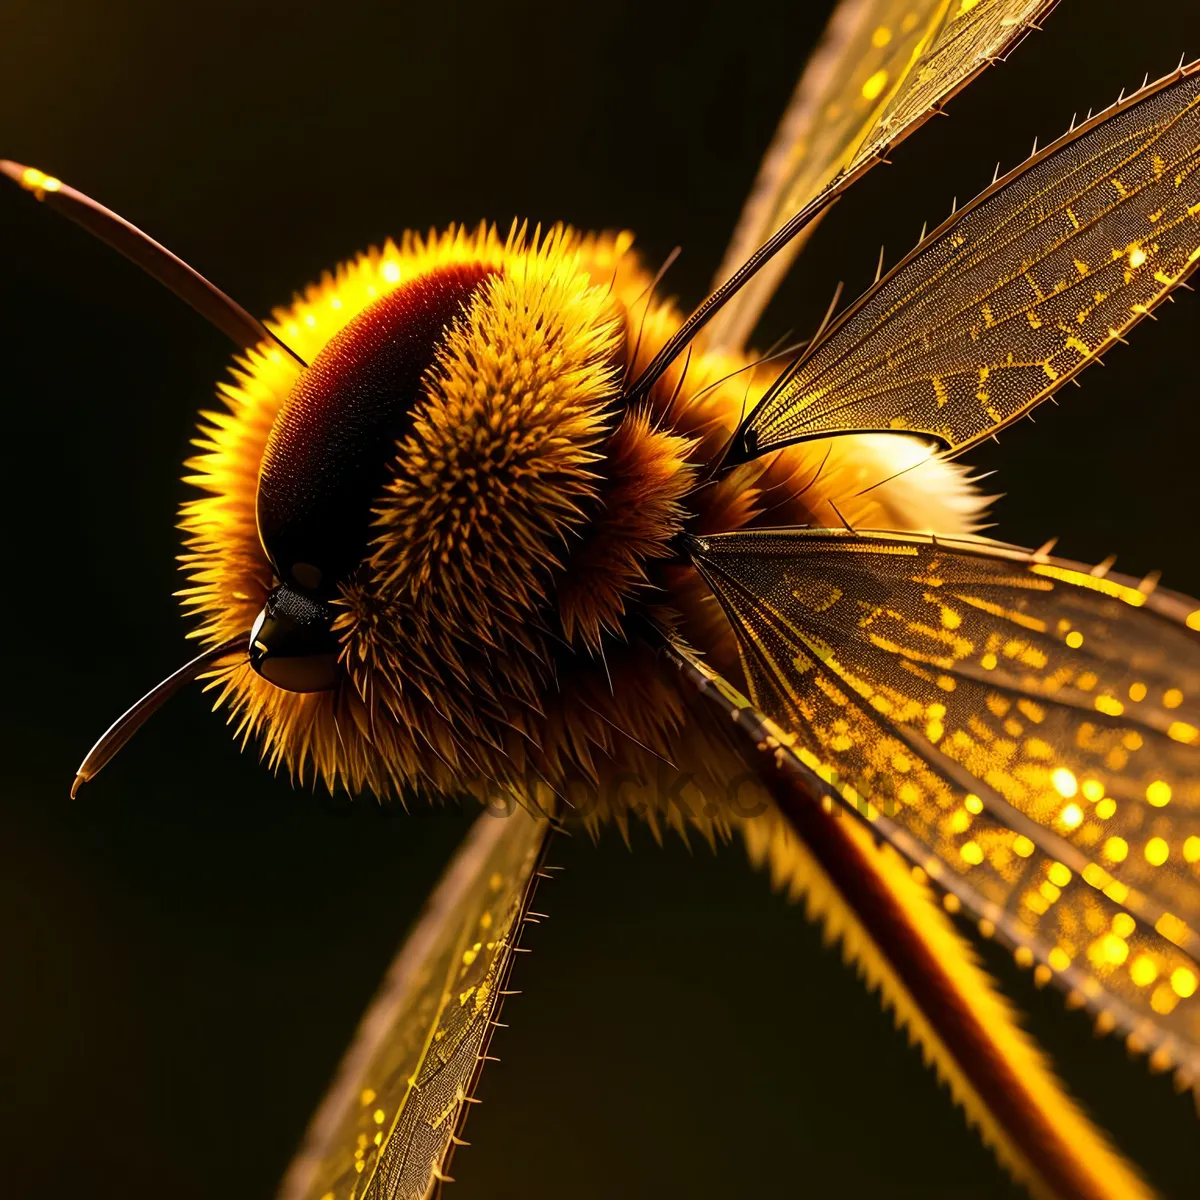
[{"x": 187, "y": 947}]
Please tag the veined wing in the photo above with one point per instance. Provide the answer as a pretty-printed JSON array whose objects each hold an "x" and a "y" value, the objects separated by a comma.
[
  {"x": 1024, "y": 730},
  {"x": 882, "y": 68},
  {"x": 389, "y": 1123},
  {"x": 1016, "y": 293},
  {"x": 901, "y": 941}
]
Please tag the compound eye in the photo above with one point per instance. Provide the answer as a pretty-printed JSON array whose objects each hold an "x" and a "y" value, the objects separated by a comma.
[
  {"x": 292, "y": 644},
  {"x": 332, "y": 442}
]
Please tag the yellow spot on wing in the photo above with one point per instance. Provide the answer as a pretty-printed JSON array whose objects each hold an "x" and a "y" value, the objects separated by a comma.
[
  {"x": 1157, "y": 852},
  {"x": 1072, "y": 816},
  {"x": 873, "y": 88},
  {"x": 1108, "y": 587},
  {"x": 1064, "y": 782},
  {"x": 1183, "y": 981},
  {"x": 1116, "y": 849},
  {"x": 1159, "y": 793}
]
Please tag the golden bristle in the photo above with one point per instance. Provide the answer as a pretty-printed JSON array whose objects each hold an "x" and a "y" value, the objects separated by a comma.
[{"x": 526, "y": 516}]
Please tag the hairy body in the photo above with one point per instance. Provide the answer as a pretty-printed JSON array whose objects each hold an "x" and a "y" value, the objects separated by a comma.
[{"x": 524, "y": 526}]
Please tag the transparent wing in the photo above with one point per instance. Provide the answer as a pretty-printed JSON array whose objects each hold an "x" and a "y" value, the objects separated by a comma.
[
  {"x": 881, "y": 69},
  {"x": 1014, "y": 295},
  {"x": 1025, "y": 731},
  {"x": 386, "y": 1129},
  {"x": 902, "y": 942}
]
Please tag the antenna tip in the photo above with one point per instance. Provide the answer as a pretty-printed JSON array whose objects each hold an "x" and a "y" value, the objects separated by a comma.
[
  {"x": 77, "y": 783},
  {"x": 30, "y": 178}
]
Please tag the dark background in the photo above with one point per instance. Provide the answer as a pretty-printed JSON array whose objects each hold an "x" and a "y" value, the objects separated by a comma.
[{"x": 187, "y": 947}]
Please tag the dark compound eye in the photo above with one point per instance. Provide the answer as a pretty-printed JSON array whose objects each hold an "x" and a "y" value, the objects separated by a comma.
[
  {"x": 292, "y": 644},
  {"x": 327, "y": 457}
]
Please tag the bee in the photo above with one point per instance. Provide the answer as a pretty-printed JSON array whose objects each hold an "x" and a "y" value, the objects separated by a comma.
[{"x": 483, "y": 514}]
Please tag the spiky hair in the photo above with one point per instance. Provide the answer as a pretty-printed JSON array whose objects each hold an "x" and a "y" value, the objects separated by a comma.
[{"x": 526, "y": 520}]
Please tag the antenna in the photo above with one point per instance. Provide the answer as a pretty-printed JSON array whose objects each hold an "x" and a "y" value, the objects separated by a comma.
[
  {"x": 130, "y": 721},
  {"x": 155, "y": 259}
]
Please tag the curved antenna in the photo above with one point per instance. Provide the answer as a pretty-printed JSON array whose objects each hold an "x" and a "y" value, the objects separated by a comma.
[
  {"x": 155, "y": 259},
  {"x": 130, "y": 721}
]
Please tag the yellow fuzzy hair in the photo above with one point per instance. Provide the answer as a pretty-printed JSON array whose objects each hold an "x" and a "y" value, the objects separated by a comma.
[{"x": 526, "y": 518}]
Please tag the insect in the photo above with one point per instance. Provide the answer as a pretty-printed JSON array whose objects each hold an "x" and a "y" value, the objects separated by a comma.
[{"x": 565, "y": 441}]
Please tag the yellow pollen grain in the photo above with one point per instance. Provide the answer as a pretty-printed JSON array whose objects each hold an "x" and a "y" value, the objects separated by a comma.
[
  {"x": 1172, "y": 698},
  {"x": 1106, "y": 808},
  {"x": 1072, "y": 816},
  {"x": 874, "y": 86},
  {"x": 881, "y": 37},
  {"x": 1193, "y": 619},
  {"x": 1123, "y": 924},
  {"x": 973, "y": 804},
  {"x": 1157, "y": 852},
  {"x": 1023, "y": 846},
  {"x": 1060, "y": 874},
  {"x": 1074, "y": 639},
  {"x": 1137, "y": 691},
  {"x": 1093, "y": 789},
  {"x": 1191, "y": 850},
  {"x": 1137, "y": 256},
  {"x": 1181, "y": 731},
  {"x": 1109, "y": 705},
  {"x": 1059, "y": 959},
  {"x": 972, "y": 853},
  {"x": 1116, "y": 849}
]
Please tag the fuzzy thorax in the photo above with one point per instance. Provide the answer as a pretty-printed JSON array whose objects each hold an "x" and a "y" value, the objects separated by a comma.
[{"x": 526, "y": 524}]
